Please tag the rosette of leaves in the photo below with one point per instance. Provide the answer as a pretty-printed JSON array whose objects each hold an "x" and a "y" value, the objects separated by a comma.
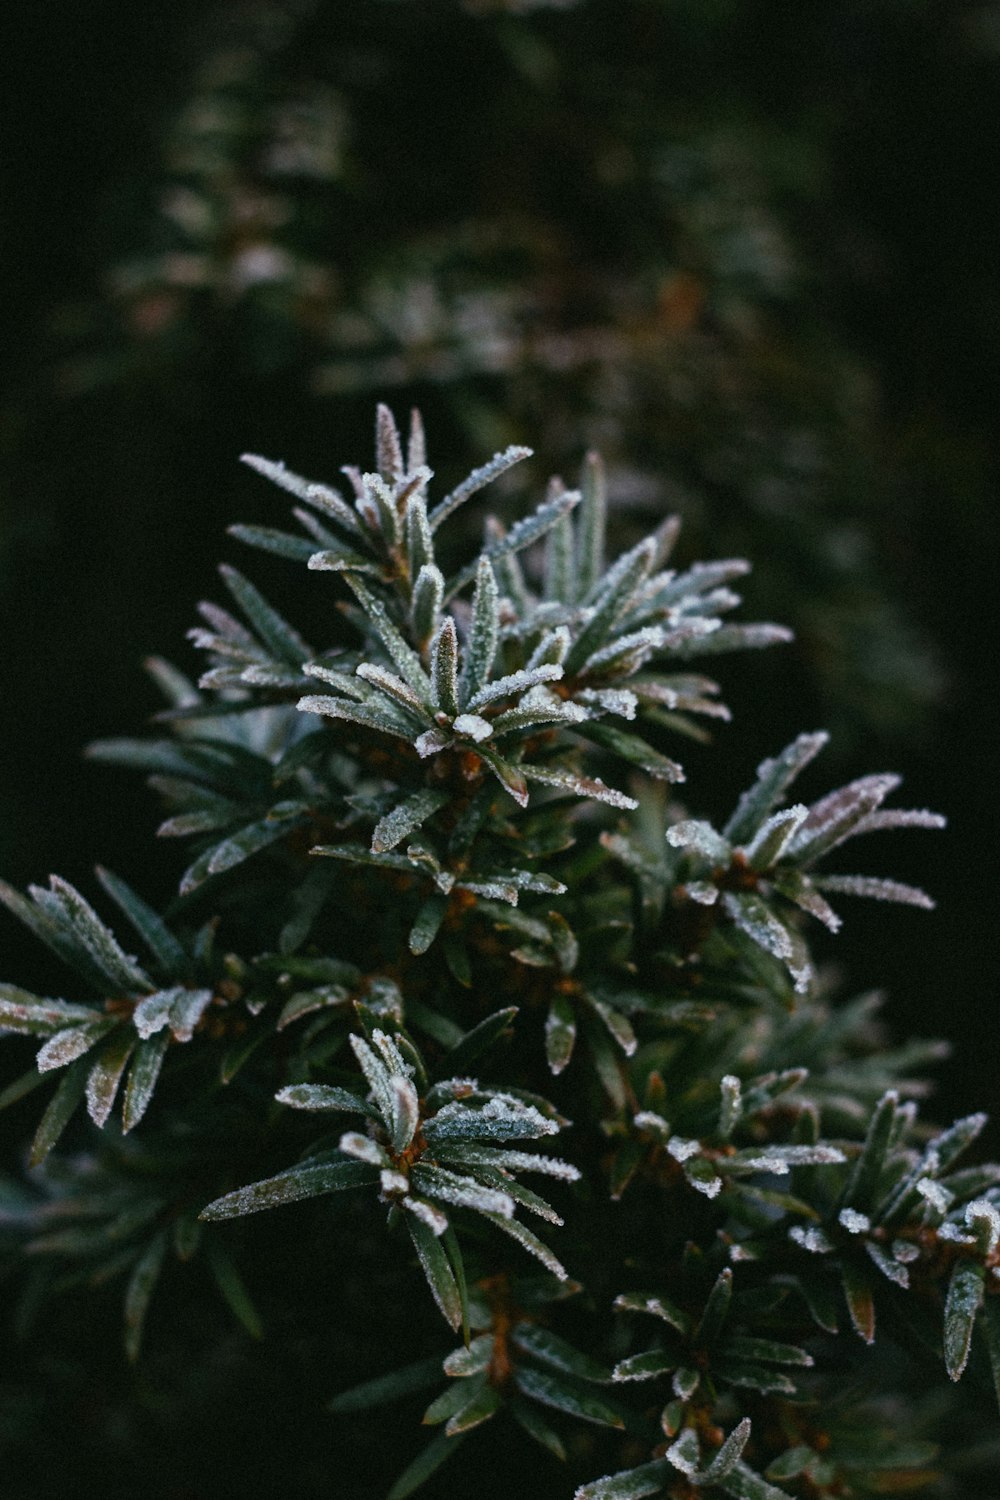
[
  {"x": 124, "y": 1212},
  {"x": 139, "y": 1010},
  {"x": 449, "y": 1149},
  {"x": 513, "y": 1366},
  {"x": 761, "y": 867},
  {"x": 903, "y": 1218}
]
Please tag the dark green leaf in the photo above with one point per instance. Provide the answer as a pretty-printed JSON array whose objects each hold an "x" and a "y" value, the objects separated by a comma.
[
  {"x": 30, "y": 1015},
  {"x": 142, "y": 1284},
  {"x": 558, "y": 1392},
  {"x": 864, "y": 1179},
  {"x": 290, "y": 1186},
  {"x": 743, "y": 1484},
  {"x": 427, "y": 923},
  {"x": 965, "y": 1298},
  {"x": 632, "y": 1484},
  {"x": 536, "y": 1426},
  {"x": 552, "y": 1350},
  {"x": 144, "y": 1072},
  {"x": 276, "y": 633},
  {"x": 148, "y": 924},
  {"x": 475, "y": 1042},
  {"x": 860, "y": 1299},
  {"x": 60, "y": 1109},
  {"x": 403, "y": 819},
  {"x": 440, "y": 1276},
  {"x": 716, "y": 1310},
  {"x": 424, "y": 1465},
  {"x": 385, "y": 1389},
  {"x": 631, "y": 748},
  {"x": 232, "y": 1286}
]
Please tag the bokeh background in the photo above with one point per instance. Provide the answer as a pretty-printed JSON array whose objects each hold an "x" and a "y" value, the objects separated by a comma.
[{"x": 748, "y": 251}]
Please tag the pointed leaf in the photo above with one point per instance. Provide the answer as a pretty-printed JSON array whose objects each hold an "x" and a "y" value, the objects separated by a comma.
[
  {"x": 142, "y": 1077},
  {"x": 404, "y": 818},
  {"x": 291, "y": 1186},
  {"x": 552, "y": 1350},
  {"x": 631, "y": 1484},
  {"x": 279, "y": 637},
  {"x": 424, "y": 1465},
  {"x": 556, "y": 1391},
  {"x": 121, "y": 971},
  {"x": 148, "y": 924},
  {"x": 59, "y": 1111},
  {"x": 529, "y": 529},
  {"x": 439, "y": 1274},
  {"x": 427, "y": 923},
  {"x": 560, "y": 1033},
  {"x": 773, "y": 779},
  {"x": 632, "y": 749},
  {"x": 965, "y": 1297},
  {"x": 234, "y": 1291},
  {"x": 475, "y": 1042},
  {"x": 485, "y": 632},
  {"x": 385, "y": 1389},
  {"x": 142, "y": 1284},
  {"x": 485, "y": 474}
]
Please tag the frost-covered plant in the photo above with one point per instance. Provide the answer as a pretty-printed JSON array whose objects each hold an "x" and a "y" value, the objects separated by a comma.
[{"x": 416, "y": 901}]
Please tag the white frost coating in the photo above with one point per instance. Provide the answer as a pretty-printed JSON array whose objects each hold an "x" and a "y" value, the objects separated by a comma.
[
  {"x": 681, "y": 1149},
  {"x": 854, "y": 1222},
  {"x": 394, "y": 686},
  {"x": 405, "y": 1112},
  {"x": 889, "y": 1266},
  {"x": 363, "y": 1149},
  {"x": 459, "y": 1087},
  {"x": 621, "y": 701},
  {"x": 935, "y": 1194},
  {"x": 464, "y": 1192},
  {"x": 503, "y": 1117},
  {"x": 392, "y": 1182},
  {"x": 375, "y": 1072},
  {"x": 877, "y": 889},
  {"x": 905, "y": 1251},
  {"x": 394, "y": 1059},
  {"x": 739, "y": 1253},
  {"x": 811, "y": 1239},
  {"x": 981, "y": 1216},
  {"x": 780, "y": 1158},
  {"x": 954, "y": 1234},
  {"x": 899, "y": 817},
  {"x": 711, "y": 1187},
  {"x": 472, "y": 725},
  {"x": 187, "y": 1010},
  {"x": 695, "y": 834},
  {"x": 753, "y": 917},
  {"x": 702, "y": 892},
  {"x": 513, "y": 1161},
  {"x": 153, "y": 1012},
  {"x": 430, "y": 742},
  {"x": 65, "y": 1047},
  {"x": 648, "y": 1119},
  {"x": 684, "y": 1455},
  {"x": 642, "y": 642},
  {"x": 506, "y": 1108},
  {"x": 515, "y": 682},
  {"x": 774, "y": 835},
  {"x": 428, "y": 1214}
]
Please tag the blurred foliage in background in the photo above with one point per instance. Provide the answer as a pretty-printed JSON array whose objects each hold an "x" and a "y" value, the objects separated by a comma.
[{"x": 748, "y": 252}]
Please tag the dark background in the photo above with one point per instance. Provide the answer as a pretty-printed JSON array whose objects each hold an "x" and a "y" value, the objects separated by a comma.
[{"x": 116, "y": 489}]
